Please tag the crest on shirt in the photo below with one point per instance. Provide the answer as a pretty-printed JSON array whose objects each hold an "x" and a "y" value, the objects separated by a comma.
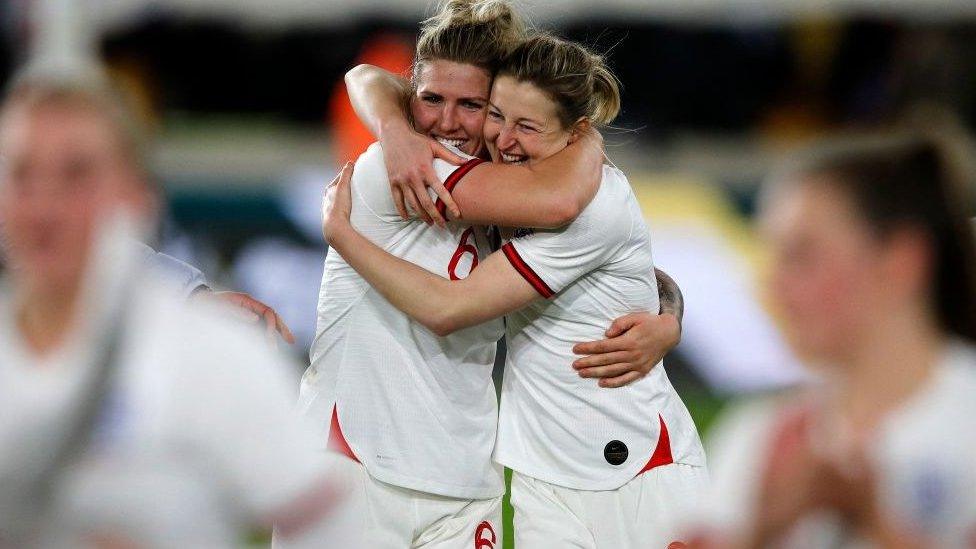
[{"x": 521, "y": 231}]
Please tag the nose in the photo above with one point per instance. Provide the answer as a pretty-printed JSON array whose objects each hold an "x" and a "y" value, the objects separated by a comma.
[
  {"x": 506, "y": 138},
  {"x": 448, "y": 121}
]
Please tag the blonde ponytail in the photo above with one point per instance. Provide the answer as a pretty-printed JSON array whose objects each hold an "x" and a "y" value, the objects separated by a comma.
[{"x": 605, "y": 101}]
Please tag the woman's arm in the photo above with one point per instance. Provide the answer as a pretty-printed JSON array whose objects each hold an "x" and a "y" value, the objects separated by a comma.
[
  {"x": 636, "y": 342},
  {"x": 492, "y": 290},
  {"x": 671, "y": 298},
  {"x": 380, "y": 99},
  {"x": 548, "y": 194}
]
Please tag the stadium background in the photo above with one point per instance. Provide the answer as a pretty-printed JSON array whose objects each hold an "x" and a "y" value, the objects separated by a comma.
[{"x": 247, "y": 107}]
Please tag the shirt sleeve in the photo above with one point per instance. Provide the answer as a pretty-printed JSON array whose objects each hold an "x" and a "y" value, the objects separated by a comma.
[
  {"x": 551, "y": 260},
  {"x": 451, "y": 175},
  {"x": 187, "y": 277}
]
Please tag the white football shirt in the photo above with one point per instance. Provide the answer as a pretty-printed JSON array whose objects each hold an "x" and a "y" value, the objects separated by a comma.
[
  {"x": 554, "y": 425},
  {"x": 196, "y": 442},
  {"x": 418, "y": 410},
  {"x": 923, "y": 452}
]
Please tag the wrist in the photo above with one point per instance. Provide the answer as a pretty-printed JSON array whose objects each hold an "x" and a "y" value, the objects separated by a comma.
[
  {"x": 392, "y": 125},
  {"x": 337, "y": 233}
]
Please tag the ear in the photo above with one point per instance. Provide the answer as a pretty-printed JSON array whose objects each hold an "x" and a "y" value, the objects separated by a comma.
[{"x": 579, "y": 129}]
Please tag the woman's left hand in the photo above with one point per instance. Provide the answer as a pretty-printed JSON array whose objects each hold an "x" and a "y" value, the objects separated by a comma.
[
  {"x": 635, "y": 344},
  {"x": 337, "y": 205}
]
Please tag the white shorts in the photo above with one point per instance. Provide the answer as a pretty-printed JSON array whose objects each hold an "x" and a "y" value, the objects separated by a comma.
[
  {"x": 391, "y": 517},
  {"x": 647, "y": 512}
]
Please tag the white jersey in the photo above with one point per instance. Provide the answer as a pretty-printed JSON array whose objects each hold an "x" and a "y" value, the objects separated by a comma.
[
  {"x": 554, "y": 425},
  {"x": 923, "y": 453},
  {"x": 197, "y": 440},
  {"x": 418, "y": 410}
]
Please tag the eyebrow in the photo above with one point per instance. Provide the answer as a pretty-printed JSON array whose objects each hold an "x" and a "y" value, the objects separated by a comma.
[
  {"x": 520, "y": 120},
  {"x": 476, "y": 98}
]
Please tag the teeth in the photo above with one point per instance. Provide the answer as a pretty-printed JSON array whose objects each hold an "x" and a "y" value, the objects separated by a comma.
[
  {"x": 513, "y": 158},
  {"x": 452, "y": 142}
]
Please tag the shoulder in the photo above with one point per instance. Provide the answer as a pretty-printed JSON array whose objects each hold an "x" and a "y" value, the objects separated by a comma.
[
  {"x": 613, "y": 211},
  {"x": 615, "y": 191},
  {"x": 370, "y": 186},
  {"x": 371, "y": 165}
]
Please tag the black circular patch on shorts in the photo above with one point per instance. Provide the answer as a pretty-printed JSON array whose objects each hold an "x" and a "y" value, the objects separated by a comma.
[{"x": 615, "y": 452}]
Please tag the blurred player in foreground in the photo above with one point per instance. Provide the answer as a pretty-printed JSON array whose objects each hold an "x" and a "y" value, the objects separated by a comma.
[
  {"x": 592, "y": 466},
  {"x": 874, "y": 274},
  {"x": 128, "y": 416}
]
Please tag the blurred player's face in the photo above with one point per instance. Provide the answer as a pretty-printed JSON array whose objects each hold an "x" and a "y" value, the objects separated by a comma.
[
  {"x": 450, "y": 103},
  {"x": 829, "y": 273},
  {"x": 61, "y": 172},
  {"x": 523, "y": 125}
]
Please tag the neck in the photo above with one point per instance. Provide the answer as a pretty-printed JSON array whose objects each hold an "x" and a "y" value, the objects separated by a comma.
[
  {"x": 44, "y": 316},
  {"x": 893, "y": 361}
]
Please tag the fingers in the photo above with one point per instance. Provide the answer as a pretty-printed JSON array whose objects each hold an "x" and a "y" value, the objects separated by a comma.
[
  {"x": 606, "y": 358},
  {"x": 434, "y": 182},
  {"x": 268, "y": 317},
  {"x": 610, "y": 370},
  {"x": 604, "y": 346},
  {"x": 623, "y": 324},
  {"x": 345, "y": 175},
  {"x": 342, "y": 195},
  {"x": 249, "y": 309},
  {"x": 284, "y": 330},
  {"x": 442, "y": 152},
  {"x": 620, "y": 381},
  {"x": 340, "y": 180},
  {"x": 420, "y": 191},
  {"x": 400, "y": 204},
  {"x": 333, "y": 183},
  {"x": 245, "y": 315},
  {"x": 415, "y": 206}
]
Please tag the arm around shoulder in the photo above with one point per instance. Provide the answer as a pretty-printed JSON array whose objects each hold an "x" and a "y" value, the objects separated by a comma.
[{"x": 545, "y": 195}]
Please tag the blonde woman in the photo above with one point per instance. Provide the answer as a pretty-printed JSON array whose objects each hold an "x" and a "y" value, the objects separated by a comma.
[
  {"x": 593, "y": 467},
  {"x": 414, "y": 412}
]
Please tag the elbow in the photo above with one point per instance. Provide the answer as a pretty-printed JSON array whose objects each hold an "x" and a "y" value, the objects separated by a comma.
[
  {"x": 357, "y": 74},
  {"x": 445, "y": 320},
  {"x": 564, "y": 212},
  {"x": 443, "y": 325}
]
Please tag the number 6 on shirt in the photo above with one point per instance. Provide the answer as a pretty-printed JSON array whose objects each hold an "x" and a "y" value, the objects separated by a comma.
[{"x": 465, "y": 247}]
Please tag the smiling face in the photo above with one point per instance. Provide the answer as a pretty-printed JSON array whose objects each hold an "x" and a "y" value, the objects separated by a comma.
[
  {"x": 450, "y": 103},
  {"x": 523, "y": 124}
]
